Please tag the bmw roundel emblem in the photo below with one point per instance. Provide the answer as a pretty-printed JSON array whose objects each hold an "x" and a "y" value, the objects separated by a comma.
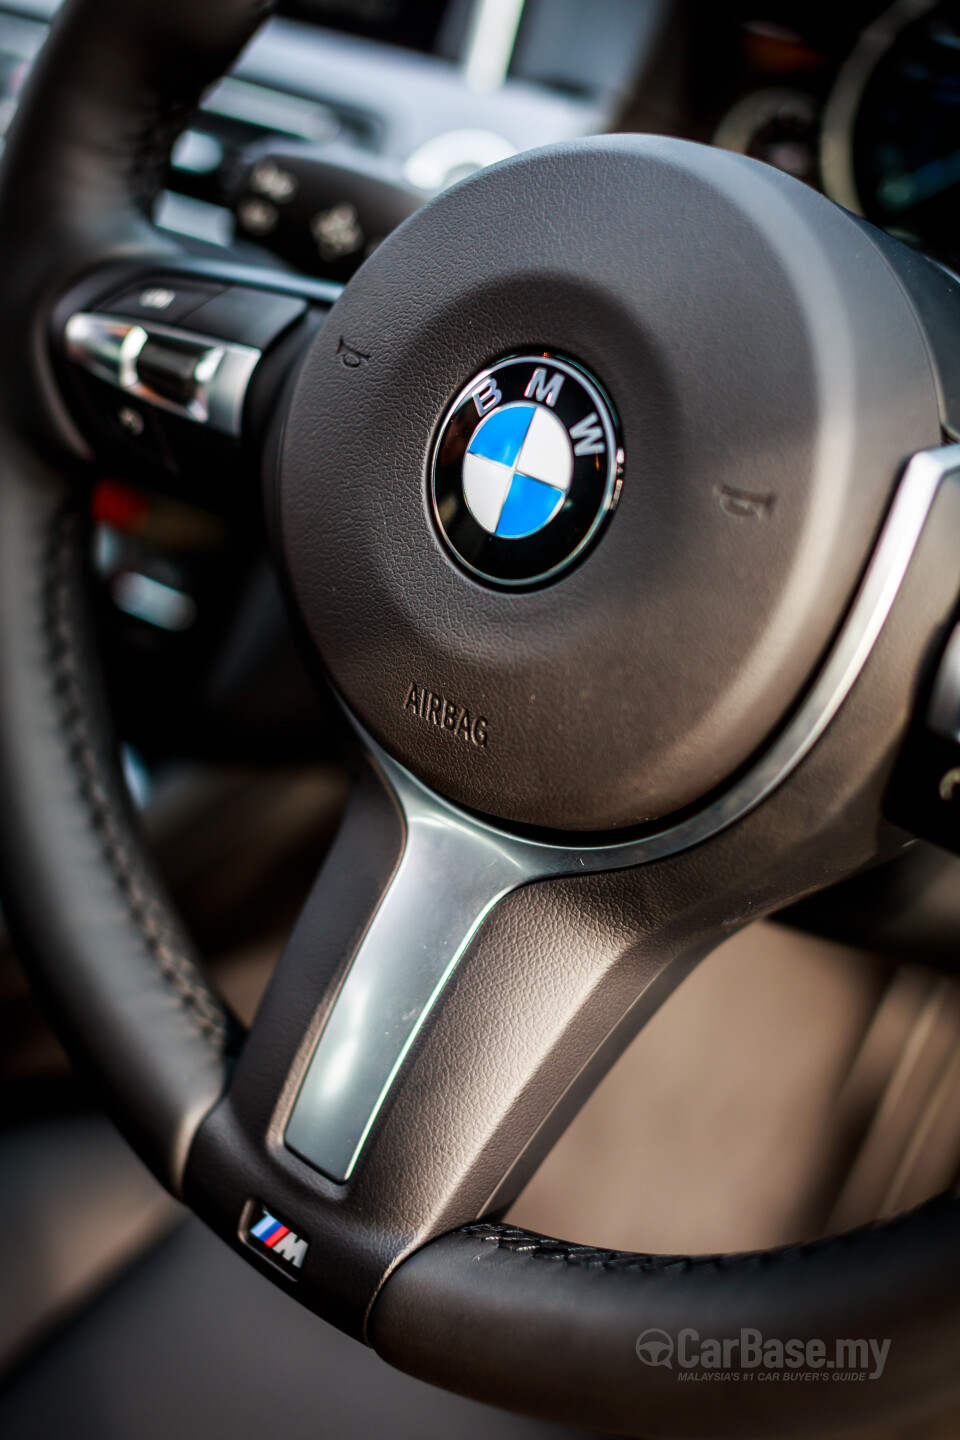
[{"x": 526, "y": 468}]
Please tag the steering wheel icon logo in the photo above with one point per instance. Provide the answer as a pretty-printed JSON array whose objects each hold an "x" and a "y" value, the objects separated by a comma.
[{"x": 655, "y": 1347}]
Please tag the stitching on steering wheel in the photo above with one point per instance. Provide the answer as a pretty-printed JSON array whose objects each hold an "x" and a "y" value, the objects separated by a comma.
[
  {"x": 146, "y": 908},
  {"x": 527, "y": 1242}
]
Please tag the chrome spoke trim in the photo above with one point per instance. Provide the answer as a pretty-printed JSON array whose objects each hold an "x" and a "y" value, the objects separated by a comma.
[
  {"x": 455, "y": 867},
  {"x": 451, "y": 875}
]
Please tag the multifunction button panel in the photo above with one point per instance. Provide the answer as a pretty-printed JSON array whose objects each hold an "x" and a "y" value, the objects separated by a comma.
[{"x": 163, "y": 369}]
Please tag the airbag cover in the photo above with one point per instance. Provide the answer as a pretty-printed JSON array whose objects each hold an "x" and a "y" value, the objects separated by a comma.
[{"x": 770, "y": 380}]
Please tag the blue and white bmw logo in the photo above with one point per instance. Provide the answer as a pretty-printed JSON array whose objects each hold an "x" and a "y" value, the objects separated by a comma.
[{"x": 526, "y": 468}]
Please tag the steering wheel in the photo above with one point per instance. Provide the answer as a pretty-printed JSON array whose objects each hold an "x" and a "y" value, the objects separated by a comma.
[{"x": 612, "y": 495}]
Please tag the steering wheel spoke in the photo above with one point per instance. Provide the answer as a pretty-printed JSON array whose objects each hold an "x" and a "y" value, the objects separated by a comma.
[
  {"x": 454, "y": 991},
  {"x": 395, "y": 1084}
]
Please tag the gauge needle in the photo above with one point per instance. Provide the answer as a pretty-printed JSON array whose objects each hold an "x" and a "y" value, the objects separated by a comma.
[{"x": 899, "y": 192}]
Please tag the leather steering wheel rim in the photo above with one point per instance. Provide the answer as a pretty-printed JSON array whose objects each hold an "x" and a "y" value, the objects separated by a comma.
[{"x": 530, "y": 1323}]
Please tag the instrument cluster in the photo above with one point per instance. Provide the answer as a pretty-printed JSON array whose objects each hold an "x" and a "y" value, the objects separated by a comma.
[{"x": 870, "y": 117}]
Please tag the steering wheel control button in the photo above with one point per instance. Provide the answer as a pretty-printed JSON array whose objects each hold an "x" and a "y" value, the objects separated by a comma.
[
  {"x": 943, "y": 716},
  {"x": 924, "y": 792},
  {"x": 248, "y": 317},
  {"x": 950, "y": 785},
  {"x": 166, "y": 300},
  {"x": 175, "y": 369},
  {"x": 526, "y": 469},
  {"x": 197, "y": 377}
]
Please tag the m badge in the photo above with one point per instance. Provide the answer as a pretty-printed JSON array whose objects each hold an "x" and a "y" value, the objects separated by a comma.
[{"x": 278, "y": 1240}]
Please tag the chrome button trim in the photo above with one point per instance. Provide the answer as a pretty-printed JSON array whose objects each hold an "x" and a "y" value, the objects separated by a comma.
[{"x": 109, "y": 347}]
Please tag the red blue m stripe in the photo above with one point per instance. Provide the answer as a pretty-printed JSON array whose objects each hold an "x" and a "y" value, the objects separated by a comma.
[{"x": 268, "y": 1230}]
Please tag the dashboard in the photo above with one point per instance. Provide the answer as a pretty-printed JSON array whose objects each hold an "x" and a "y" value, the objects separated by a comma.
[{"x": 858, "y": 99}]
